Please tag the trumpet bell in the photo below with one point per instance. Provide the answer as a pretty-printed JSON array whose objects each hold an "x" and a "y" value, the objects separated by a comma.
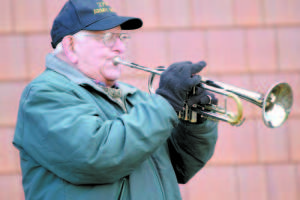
[{"x": 277, "y": 104}]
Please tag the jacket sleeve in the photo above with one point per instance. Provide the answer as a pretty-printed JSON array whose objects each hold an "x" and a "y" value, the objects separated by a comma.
[
  {"x": 68, "y": 136},
  {"x": 190, "y": 147}
]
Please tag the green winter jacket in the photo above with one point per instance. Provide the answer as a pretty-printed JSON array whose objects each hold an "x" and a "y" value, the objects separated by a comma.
[{"x": 78, "y": 141}]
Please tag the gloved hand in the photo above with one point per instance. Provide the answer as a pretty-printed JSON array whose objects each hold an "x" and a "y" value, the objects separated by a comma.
[
  {"x": 201, "y": 97},
  {"x": 177, "y": 81}
]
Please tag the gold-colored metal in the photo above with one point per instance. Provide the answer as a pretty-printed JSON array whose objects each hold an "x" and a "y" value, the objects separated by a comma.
[{"x": 276, "y": 103}]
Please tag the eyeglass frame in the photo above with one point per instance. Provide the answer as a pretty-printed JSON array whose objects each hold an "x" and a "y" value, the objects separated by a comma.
[{"x": 103, "y": 36}]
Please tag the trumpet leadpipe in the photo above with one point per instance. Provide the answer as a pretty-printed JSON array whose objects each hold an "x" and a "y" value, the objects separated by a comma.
[{"x": 118, "y": 60}]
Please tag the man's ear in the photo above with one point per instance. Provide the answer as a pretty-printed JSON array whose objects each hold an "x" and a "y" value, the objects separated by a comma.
[{"x": 68, "y": 48}]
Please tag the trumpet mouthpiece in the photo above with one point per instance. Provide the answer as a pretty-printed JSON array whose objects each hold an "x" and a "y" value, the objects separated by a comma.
[{"x": 116, "y": 60}]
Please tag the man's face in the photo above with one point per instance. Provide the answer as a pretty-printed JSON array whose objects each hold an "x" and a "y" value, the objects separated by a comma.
[{"x": 95, "y": 56}]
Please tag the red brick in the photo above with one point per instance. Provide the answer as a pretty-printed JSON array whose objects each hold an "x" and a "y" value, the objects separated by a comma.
[
  {"x": 147, "y": 10},
  {"x": 281, "y": 11},
  {"x": 212, "y": 13},
  {"x": 225, "y": 151},
  {"x": 38, "y": 45},
  {"x": 294, "y": 138},
  {"x": 236, "y": 145},
  {"x": 52, "y": 9},
  {"x": 289, "y": 48},
  {"x": 150, "y": 49},
  {"x": 9, "y": 155},
  {"x": 282, "y": 182},
  {"x": 298, "y": 178},
  {"x": 5, "y": 16},
  {"x": 13, "y": 59},
  {"x": 252, "y": 182},
  {"x": 248, "y": 13},
  {"x": 175, "y": 13},
  {"x": 272, "y": 143},
  {"x": 187, "y": 45},
  {"x": 214, "y": 183},
  {"x": 261, "y": 50},
  {"x": 118, "y": 6},
  {"x": 11, "y": 187},
  {"x": 184, "y": 192},
  {"x": 9, "y": 102},
  {"x": 293, "y": 79},
  {"x": 29, "y": 15},
  {"x": 226, "y": 51},
  {"x": 245, "y": 143}
]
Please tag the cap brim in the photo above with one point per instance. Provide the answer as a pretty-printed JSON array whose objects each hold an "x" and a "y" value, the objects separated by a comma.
[{"x": 126, "y": 23}]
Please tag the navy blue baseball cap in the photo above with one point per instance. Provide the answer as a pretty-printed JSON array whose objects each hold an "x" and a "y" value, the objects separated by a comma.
[{"x": 93, "y": 15}]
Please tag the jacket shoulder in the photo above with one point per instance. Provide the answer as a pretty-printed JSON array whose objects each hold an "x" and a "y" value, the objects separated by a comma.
[{"x": 51, "y": 78}]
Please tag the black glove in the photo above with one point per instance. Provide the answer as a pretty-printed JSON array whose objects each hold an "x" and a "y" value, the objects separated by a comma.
[
  {"x": 177, "y": 81},
  {"x": 200, "y": 97}
]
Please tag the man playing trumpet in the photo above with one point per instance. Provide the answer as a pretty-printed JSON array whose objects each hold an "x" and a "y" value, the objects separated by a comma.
[{"x": 82, "y": 134}]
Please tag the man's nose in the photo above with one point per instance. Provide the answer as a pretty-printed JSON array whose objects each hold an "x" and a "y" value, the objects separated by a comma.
[{"x": 119, "y": 46}]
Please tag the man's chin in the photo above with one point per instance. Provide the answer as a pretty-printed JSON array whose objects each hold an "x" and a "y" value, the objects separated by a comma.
[{"x": 112, "y": 78}]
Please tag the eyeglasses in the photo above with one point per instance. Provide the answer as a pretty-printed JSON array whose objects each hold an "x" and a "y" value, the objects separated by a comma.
[{"x": 110, "y": 39}]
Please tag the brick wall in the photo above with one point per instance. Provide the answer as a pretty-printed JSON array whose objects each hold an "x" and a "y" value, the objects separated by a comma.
[{"x": 248, "y": 43}]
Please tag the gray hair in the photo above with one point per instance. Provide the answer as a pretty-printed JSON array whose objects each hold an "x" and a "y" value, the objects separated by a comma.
[{"x": 77, "y": 36}]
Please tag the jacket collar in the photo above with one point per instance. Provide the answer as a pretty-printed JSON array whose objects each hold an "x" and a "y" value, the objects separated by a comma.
[{"x": 73, "y": 74}]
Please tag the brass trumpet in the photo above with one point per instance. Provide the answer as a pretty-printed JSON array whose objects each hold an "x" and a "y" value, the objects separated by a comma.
[{"x": 276, "y": 103}]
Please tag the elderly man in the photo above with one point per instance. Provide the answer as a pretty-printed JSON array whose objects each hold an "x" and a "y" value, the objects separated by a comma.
[{"x": 82, "y": 134}]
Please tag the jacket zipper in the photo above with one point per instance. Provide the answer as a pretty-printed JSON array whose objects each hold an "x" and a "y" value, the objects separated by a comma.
[
  {"x": 157, "y": 177},
  {"x": 123, "y": 189}
]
